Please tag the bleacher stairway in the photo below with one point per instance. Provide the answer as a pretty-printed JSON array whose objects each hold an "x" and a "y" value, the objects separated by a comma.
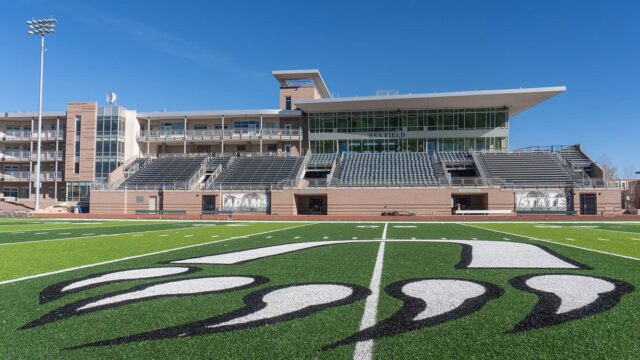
[{"x": 524, "y": 169}]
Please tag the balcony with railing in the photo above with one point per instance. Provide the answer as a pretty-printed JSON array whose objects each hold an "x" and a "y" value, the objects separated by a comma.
[
  {"x": 18, "y": 156},
  {"x": 218, "y": 134},
  {"x": 27, "y": 135},
  {"x": 11, "y": 176}
]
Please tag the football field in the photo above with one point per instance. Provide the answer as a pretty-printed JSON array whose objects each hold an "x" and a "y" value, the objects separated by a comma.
[{"x": 105, "y": 289}]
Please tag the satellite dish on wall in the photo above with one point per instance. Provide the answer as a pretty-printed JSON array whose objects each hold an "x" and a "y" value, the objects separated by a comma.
[{"x": 111, "y": 97}]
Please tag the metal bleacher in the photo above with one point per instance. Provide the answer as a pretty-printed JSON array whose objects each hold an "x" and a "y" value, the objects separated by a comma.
[
  {"x": 166, "y": 171},
  {"x": 259, "y": 172},
  {"x": 386, "y": 169},
  {"x": 455, "y": 157},
  {"x": 322, "y": 160},
  {"x": 575, "y": 157},
  {"x": 214, "y": 162},
  {"x": 535, "y": 168}
]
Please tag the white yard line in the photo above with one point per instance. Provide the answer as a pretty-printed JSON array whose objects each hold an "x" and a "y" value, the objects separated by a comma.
[
  {"x": 364, "y": 349},
  {"x": 553, "y": 242},
  {"x": 143, "y": 255},
  {"x": 90, "y": 236}
]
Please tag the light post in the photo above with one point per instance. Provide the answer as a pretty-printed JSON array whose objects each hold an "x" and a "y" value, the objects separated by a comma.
[{"x": 40, "y": 27}]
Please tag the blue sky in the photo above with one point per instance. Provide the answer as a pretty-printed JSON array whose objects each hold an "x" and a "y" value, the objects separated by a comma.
[{"x": 202, "y": 55}]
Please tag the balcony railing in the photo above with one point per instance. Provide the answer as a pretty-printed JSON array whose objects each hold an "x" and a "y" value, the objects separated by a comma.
[
  {"x": 231, "y": 134},
  {"x": 26, "y": 156},
  {"x": 9, "y": 175},
  {"x": 27, "y": 135}
]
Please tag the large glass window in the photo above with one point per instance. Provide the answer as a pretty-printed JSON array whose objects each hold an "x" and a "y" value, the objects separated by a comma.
[{"x": 408, "y": 120}]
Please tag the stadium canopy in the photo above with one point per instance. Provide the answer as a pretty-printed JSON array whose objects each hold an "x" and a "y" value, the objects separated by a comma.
[
  {"x": 516, "y": 100},
  {"x": 297, "y": 77}
]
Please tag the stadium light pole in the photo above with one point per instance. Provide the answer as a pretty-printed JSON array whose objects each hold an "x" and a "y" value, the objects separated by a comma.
[{"x": 40, "y": 27}]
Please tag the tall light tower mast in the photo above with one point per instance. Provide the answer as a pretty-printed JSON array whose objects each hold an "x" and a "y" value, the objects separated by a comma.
[{"x": 40, "y": 27}]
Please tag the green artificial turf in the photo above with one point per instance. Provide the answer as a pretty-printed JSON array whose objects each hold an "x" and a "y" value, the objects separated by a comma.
[
  {"x": 30, "y": 258},
  {"x": 601, "y": 239},
  {"x": 480, "y": 335}
]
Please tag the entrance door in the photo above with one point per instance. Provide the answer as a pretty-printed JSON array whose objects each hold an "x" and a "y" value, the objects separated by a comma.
[
  {"x": 588, "y": 204},
  {"x": 208, "y": 203},
  {"x": 287, "y": 127},
  {"x": 153, "y": 203}
]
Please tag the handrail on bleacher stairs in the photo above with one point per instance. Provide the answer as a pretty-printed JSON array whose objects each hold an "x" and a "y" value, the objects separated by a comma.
[
  {"x": 544, "y": 148},
  {"x": 198, "y": 174},
  {"x": 214, "y": 175}
]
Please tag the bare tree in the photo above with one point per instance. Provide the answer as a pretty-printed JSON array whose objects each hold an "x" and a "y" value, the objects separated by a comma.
[
  {"x": 628, "y": 171},
  {"x": 610, "y": 170}
]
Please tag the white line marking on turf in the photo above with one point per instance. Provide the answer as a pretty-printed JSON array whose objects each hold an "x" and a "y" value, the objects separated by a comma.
[
  {"x": 163, "y": 235},
  {"x": 141, "y": 255},
  {"x": 364, "y": 349},
  {"x": 64, "y": 233},
  {"x": 325, "y": 238},
  {"x": 474, "y": 238},
  {"x": 83, "y": 237},
  {"x": 215, "y": 236},
  {"x": 553, "y": 242},
  {"x": 269, "y": 237},
  {"x": 354, "y": 238},
  {"x": 89, "y": 234},
  {"x": 506, "y": 239},
  {"x": 136, "y": 235},
  {"x": 602, "y": 239},
  {"x": 296, "y": 237},
  {"x": 635, "y": 239},
  {"x": 188, "y": 235},
  {"x": 570, "y": 239},
  {"x": 41, "y": 233}
]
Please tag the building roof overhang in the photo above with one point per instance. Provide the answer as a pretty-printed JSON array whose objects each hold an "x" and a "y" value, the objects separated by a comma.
[
  {"x": 310, "y": 74},
  {"x": 516, "y": 100}
]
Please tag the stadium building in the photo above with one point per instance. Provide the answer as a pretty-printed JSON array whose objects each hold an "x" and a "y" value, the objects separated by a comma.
[{"x": 426, "y": 154}]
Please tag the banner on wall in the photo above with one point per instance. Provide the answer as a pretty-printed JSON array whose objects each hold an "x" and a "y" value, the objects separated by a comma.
[
  {"x": 542, "y": 200},
  {"x": 245, "y": 202}
]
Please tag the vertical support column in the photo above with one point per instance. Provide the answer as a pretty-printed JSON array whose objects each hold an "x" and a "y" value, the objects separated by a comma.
[
  {"x": 222, "y": 137},
  {"x": 148, "y": 134},
  {"x": 261, "y": 134},
  {"x": 55, "y": 161},
  {"x": 184, "y": 152},
  {"x": 300, "y": 136},
  {"x": 30, "y": 153}
]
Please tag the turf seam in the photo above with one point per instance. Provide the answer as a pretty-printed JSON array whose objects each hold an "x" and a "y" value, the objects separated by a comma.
[
  {"x": 142, "y": 255},
  {"x": 552, "y": 242}
]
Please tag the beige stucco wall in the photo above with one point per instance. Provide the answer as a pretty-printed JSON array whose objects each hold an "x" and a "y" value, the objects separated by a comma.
[
  {"x": 297, "y": 93},
  {"x": 124, "y": 202},
  {"x": 609, "y": 201},
  {"x": 370, "y": 201},
  {"x": 88, "y": 119}
]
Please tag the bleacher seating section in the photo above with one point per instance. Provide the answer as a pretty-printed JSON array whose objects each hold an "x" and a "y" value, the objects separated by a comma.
[
  {"x": 214, "y": 162},
  {"x": 259, "y": 171},
  {"x": 575, "y": 157},
  {"x": 326, "y": 160},
  {"x": 165, "y": 171},
  {"x": 455, "y": 157},
  {"x": 386, "y": 169},
  {"x": 537, "y": 168}
]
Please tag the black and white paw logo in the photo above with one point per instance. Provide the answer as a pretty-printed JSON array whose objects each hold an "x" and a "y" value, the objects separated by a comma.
[{"x": 427, "y": 302}]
